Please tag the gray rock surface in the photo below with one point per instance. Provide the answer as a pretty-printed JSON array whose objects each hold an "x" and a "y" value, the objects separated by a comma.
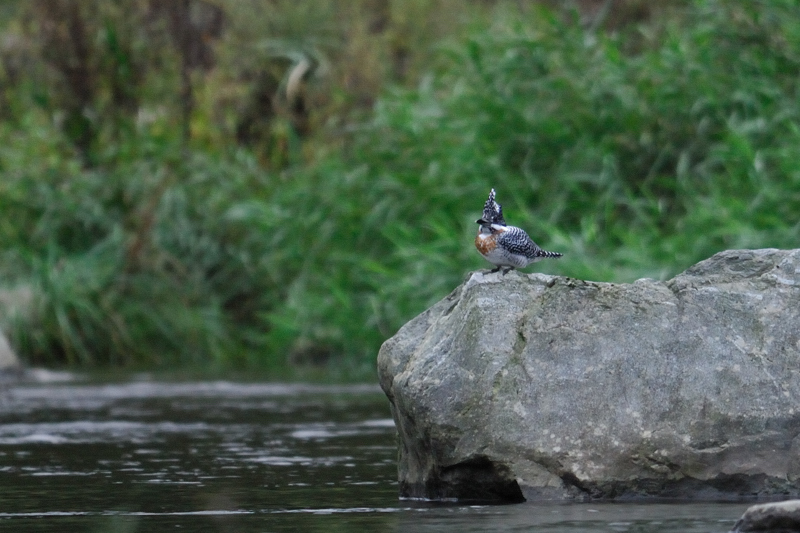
[
  {"x": 555, "y": 388},
  {"x": 781, "y": 517}
]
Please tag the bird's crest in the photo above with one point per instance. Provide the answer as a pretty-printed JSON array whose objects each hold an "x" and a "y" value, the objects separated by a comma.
[{"x": 492, "y": 211}]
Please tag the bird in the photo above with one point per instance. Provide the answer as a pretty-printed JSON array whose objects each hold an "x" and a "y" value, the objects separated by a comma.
[{"x": 504, "y": 245}]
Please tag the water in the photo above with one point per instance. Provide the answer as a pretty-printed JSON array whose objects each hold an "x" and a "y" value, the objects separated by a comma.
[{"x": 149, "y": 456}]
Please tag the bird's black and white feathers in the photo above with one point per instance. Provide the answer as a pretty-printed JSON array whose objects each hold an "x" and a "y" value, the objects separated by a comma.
[
  {"x": 503, "y": 245},
  {"x": 519, "y": 250},
  {"x": 492, "y": 211}
]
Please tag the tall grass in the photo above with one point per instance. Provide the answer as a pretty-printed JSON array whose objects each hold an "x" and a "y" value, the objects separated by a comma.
[
  {"x": 635, "y": 151},
  {"x": 138, "y": 263}
]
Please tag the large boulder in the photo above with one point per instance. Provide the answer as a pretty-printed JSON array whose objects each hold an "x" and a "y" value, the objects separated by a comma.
[{"x": 543, "y": 387}]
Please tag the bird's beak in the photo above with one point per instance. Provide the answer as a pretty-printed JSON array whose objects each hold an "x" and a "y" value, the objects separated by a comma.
[{"x": 481, "y": 222}]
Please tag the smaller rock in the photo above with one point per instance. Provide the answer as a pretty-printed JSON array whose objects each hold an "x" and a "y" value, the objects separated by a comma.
[
  {"x": 779, "y": 517},
  {"x": 8, "y": 359},
  {"x": 16, "y": 304}
]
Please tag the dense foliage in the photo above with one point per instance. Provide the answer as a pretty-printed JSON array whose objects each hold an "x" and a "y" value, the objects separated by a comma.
[{"x": 636, "y": 150}]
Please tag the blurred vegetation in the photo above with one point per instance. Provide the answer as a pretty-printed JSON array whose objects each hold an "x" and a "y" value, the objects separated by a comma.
[{"x": 270, "y": 184}]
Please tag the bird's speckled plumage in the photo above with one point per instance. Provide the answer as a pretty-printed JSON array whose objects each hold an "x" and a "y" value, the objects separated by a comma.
[
  {"x": 503, "y": 245},
  {"x": 492, "y": 211}
]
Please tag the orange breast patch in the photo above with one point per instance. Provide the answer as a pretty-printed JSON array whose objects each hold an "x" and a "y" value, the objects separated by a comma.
[{"x": 485, "y": 245}]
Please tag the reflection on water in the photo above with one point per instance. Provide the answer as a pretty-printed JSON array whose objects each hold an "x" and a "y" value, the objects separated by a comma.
[{"x": 150, "y": 456}]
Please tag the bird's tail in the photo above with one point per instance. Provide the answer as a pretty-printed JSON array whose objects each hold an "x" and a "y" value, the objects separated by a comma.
[{"x": 545, "y": 253}]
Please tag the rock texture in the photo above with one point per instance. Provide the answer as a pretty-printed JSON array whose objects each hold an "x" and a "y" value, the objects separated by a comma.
[
  {"x": 541, "y": 387},
  {"x": 783, "y": 517}
]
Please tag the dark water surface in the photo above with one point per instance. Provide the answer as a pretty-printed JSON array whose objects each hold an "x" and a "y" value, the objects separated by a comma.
[{"x": 146, "y": 456}]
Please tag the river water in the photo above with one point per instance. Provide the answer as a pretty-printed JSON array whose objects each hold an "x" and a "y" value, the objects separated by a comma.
[{"x": 147, "y": 456}]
